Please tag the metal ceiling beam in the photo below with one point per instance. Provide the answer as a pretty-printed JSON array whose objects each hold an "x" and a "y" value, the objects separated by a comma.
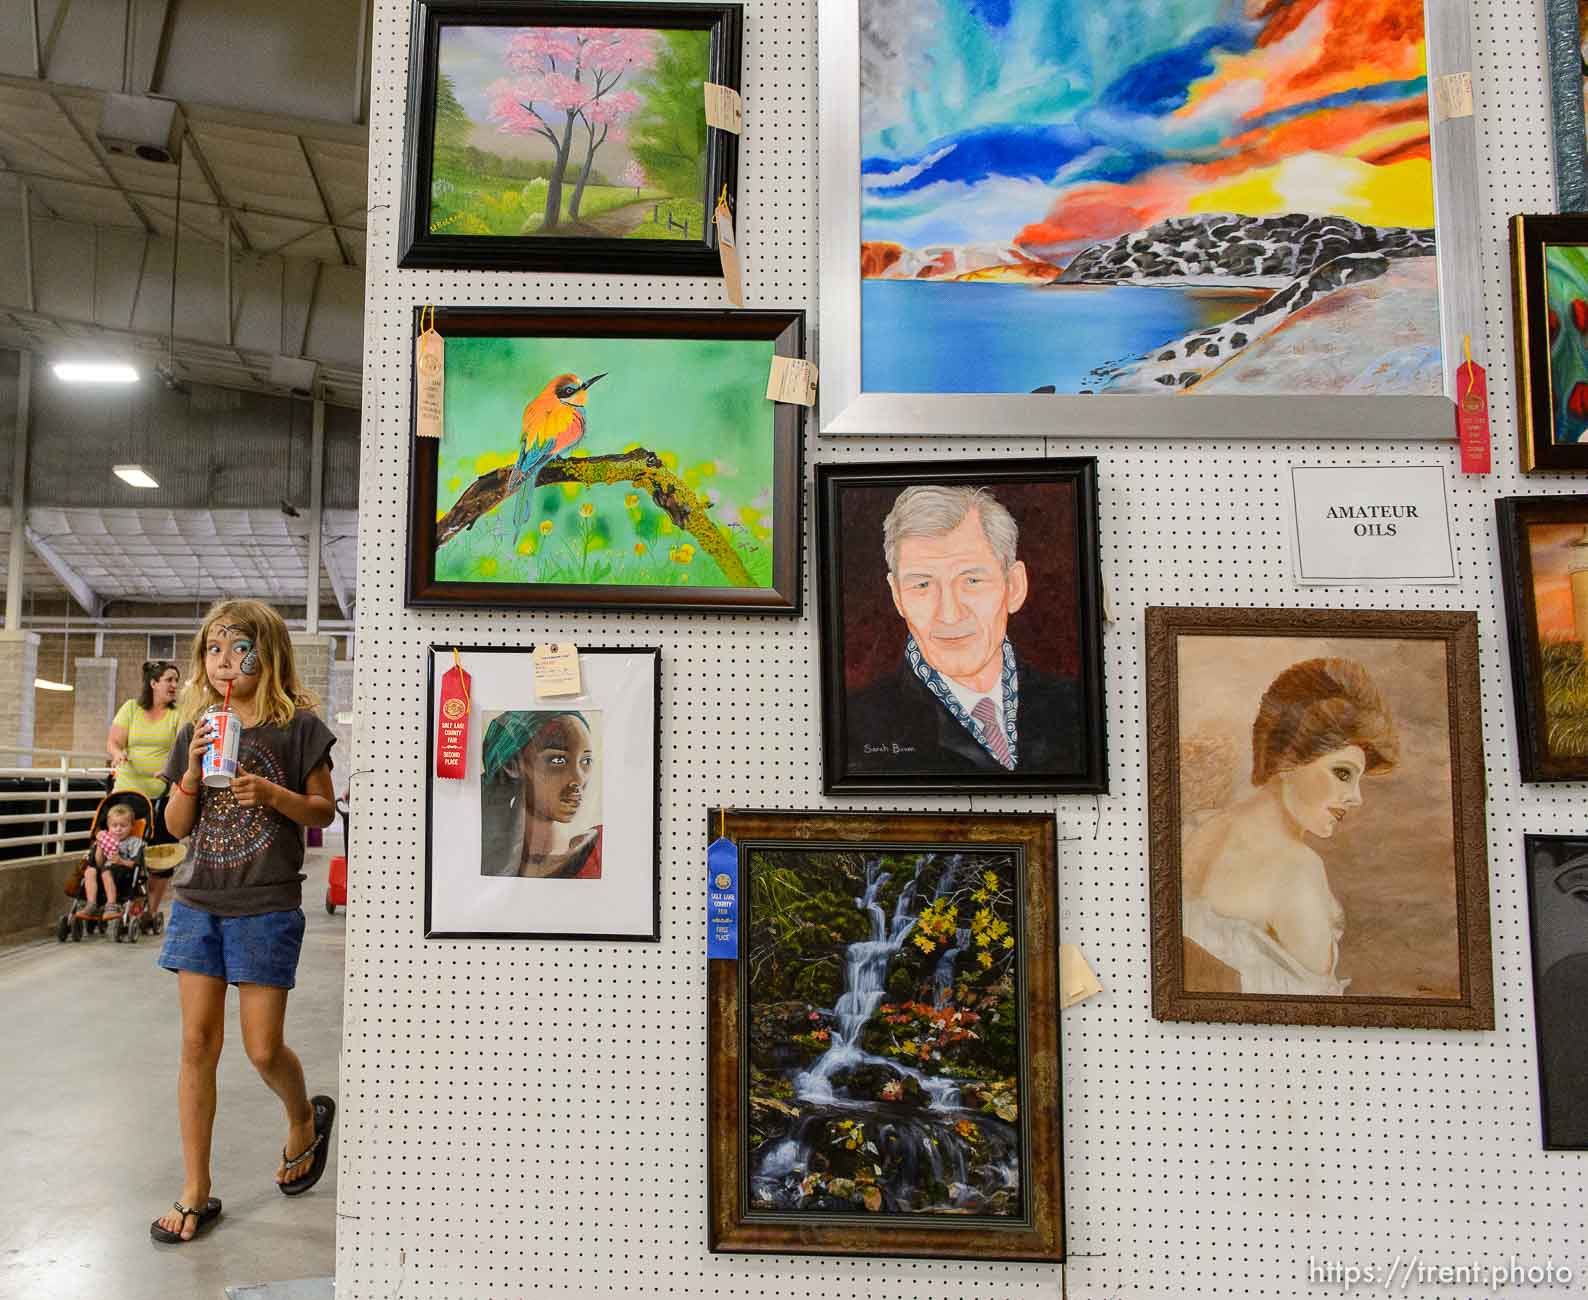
[
  {"x": 89, "y": 599},
  {"x": 55, "y": 35},
  {"x": 325, "y": 202},
  {"x": 311, "y": 599},
  {"x": 19, "y": 491},
  {"x": 208, "y": 173},
  {"x": 33, "y": 28},
  {"x": 162, "y": 48},
  {"x": 339, "y": 589}
]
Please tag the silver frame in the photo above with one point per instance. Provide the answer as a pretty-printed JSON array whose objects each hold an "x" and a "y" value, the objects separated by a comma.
[
  {"x": 845, "y": 409},
  {"x": 1564, "y": 46}
]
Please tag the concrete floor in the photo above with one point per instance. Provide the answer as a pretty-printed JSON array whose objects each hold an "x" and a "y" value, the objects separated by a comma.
[{"x": 89, "y": 1124}]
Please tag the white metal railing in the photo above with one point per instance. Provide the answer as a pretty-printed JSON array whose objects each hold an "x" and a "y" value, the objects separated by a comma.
[{"x": 67, "y": 814}]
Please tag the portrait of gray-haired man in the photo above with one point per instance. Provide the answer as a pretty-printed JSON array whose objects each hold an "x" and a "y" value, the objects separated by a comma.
[{"x": 962, "y": 699}]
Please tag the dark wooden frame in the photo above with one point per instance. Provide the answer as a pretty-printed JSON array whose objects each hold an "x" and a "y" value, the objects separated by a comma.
[
  {"x": 1529, "y": 844},
  {"x": 419, "y": 248},
  {"x": 1513, "y": 515},
  {"x": 1079, "y": 471},
  {"x": 1039, "y": 1236},
  {"x": 1170, "y": 999},
  {"x": 441, "y": 654},
  {"x": 1530, "y": 328},
  {"x": 786, "y": 331}
]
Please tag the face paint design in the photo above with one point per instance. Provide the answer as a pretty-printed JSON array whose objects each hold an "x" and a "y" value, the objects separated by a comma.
[{"x": 250, "y": 664}]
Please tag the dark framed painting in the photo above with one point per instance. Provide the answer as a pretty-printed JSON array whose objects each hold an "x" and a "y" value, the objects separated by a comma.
[
  {"x": 883, "y": 1058},
  {"x": 961, "y": 622},
  {"x": 552, "y": 833},
  {"x": 1544, "y": 558},
  {"x": 1565, "y": 30},
  {"x": 564, "y": 135},
  {"x": 596, "y": 459},
  {"x": 1557, "y": 902},
  {"x": 1549, "y": 293},
  {"x": 1315, "y": 818}
]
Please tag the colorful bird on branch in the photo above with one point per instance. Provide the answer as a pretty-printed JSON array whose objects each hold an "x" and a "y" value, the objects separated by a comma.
[{"x": 553, "y": 424}]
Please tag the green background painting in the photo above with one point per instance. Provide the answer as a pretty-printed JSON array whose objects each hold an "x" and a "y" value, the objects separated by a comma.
[
  {"x": 699, "y": 404},
  {"x": 1566, "y": 284}
]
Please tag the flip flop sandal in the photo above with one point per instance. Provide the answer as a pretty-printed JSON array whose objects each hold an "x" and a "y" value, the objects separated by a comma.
[
  {"x": 206, "y": 1215},
  {"x": 319, "y": 1149}
]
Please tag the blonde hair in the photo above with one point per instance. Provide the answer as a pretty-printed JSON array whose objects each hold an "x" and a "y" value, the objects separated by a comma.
[{"x": 280, "y": 694}]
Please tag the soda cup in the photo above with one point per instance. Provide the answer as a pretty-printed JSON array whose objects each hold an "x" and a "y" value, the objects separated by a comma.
[{"x": 220, "y": 760}]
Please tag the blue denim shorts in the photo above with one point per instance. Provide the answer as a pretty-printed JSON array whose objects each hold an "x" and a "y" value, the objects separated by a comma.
[{"x": 238, "y": 949}]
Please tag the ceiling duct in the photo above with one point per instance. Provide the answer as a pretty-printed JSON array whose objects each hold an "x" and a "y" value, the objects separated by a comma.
[{"x": 140, "y": 126}]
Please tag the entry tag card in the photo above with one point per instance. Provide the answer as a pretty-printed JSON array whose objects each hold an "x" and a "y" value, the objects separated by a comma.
[
  {"x": 724, "y": 108},
  {"x": 728, "y": 251},
  {"x": 793, "y": 379},
  {"x": 1371, "y": 523},
  {"x": 722, "y": 900},
  {"x": 557, "y": 670}
]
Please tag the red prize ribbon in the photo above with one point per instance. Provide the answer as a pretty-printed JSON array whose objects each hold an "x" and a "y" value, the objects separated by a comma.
[
  {"x": 452, "y": 733},
  {"x": 1472, "y": 414}
]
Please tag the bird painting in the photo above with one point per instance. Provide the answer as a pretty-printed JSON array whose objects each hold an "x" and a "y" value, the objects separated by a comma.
[{"x": 554, "y": 422}]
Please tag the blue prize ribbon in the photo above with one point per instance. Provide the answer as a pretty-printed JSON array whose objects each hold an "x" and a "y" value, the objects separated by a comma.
[{"x": 722, "y": 900}]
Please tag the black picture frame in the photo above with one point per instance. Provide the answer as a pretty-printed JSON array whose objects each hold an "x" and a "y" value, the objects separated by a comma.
[
  {"x": 418, "y": 247},
  {"x": 1513, "y": 516},
  {"x": 784, "y": 329},
  {"x": 1537, "y": 449},
  {"x": 438, "y": 659},
  {"x": 833, "y": 534},
  {"x": 1556, "y": 867}
]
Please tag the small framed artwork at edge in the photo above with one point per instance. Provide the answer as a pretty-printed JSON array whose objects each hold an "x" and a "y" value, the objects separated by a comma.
[
  {"x": 1315, "y": 818},
  {"x": 1549, "y": 297},
  {"x": 1564, "y": 31},
  {"x": 550, "y": 833},
  {"x": 561, "y": 135},
  {"x": 883, "y": 1079},
  {"x": 601, "y": 459},
  {"x": 961, "y": 626},
  {"x": 1557, "y": 903},
  {"x": 1544, "y": 569}
]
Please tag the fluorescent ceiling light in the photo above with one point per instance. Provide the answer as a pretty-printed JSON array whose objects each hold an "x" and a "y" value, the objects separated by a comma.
[
  {"x": 135, "y": 476},
  {"x": 95, "y": 372},
  {"x": 45, "y": 684}
]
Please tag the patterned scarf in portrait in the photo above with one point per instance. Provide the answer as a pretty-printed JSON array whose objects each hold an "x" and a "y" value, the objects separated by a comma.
[{"x": 1011, "y": 700}]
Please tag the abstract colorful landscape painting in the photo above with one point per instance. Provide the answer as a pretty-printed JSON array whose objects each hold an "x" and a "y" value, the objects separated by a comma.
[
  {"x": 884, "y": 1032},
  {"x": 644, "y": 480},
  {"x": 1566, "y": 290},
  {"x": 1171, "y": 196},
  {"x": 570, "y": 131}
]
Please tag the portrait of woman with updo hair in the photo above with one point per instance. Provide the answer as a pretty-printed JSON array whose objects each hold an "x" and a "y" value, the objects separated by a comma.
[{"x": 1258, "y": 912}]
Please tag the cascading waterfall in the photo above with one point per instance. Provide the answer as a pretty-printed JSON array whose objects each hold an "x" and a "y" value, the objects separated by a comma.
[
  {"x": 943, "y": 975},
  {"x": 924, "y": 1146}
]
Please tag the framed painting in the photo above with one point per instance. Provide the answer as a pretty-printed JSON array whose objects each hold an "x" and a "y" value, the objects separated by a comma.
[
  {"x": 596, "y": 459},
  {"x": 961, "y": 626},
  {"x": 1557, "y": 902},
  {"x": 883, "y": 1057},
  {"x": 565, "y": 135},
  {"x": 1315, "y": 818},
  {"x": 1565, "y": 30},
  {"x": 1228, "y": 211},
  {"x": 1544, "y": 558},
  {"x": 550, "y": 834},
  {"x": 1549, "y": 303}
]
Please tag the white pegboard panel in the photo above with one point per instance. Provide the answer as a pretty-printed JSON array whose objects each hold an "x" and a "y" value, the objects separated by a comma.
[{"x": 529, "y": 1119}]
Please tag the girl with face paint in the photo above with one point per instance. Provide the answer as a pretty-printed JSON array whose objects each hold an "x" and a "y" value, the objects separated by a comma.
[
  {"x": 238, "y": 917},
  {"x": 1256, "y": 906}
]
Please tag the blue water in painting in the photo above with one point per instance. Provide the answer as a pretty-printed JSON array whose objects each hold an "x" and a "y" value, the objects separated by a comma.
[{"x": 924, "y": 337}]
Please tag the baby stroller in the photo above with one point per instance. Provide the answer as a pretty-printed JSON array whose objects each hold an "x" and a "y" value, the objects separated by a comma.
[{"x": 127, "y": 921}]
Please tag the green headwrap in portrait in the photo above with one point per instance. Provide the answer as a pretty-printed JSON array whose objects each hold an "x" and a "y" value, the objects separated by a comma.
[{"x": 509, "y": 732}]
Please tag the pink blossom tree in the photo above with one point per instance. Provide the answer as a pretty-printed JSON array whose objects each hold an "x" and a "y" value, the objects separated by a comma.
[
  {"x": 634, "y": 175},
  {"x": 566, "y": 76}
]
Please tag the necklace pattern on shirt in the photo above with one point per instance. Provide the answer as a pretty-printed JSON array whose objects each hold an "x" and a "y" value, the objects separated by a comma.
[
  {"x": 933, "y": 681},
  {"x": 229, "y": 836}
]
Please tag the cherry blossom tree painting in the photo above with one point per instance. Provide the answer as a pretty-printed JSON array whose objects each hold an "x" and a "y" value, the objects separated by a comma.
[{"x": 568, "y": 136}]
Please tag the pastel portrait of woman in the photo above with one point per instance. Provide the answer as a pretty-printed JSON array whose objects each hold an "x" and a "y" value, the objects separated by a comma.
[
  {"x": 540, "y": 796},
  {"x": 1258, "y": 911}
]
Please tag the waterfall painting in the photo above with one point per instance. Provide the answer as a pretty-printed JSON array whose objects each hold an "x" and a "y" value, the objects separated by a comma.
[
  {"x": 1544, "y": 559},
  {"x": 567, "y": 136},
  {"x": 887, "y": 986}
]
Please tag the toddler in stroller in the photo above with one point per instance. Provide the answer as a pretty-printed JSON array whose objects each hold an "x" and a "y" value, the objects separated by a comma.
[{"x": 115, "y": 863}]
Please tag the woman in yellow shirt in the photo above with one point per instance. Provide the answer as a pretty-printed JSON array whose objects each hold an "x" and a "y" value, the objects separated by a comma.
[{"x": 139, "y": 744}]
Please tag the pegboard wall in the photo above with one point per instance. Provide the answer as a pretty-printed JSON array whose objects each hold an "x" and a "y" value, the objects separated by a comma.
[{"x": 528, "y": 1119}]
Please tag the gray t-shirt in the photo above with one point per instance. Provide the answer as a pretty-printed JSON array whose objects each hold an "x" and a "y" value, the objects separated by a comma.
[{"x": 249, "y": 861}]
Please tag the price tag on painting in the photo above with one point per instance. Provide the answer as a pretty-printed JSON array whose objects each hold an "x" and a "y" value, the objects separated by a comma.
[
  {"x": 1453, "y": 96},
  {"x": 724, "y": 108},
  {"x": 557, "y": 670},
  {"x": 793, "y": 379}
]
